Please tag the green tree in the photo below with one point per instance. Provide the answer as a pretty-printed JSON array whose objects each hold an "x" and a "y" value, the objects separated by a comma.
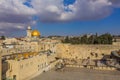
[
  {"x": 91, "y": 39},
  {"x": 3, "y": 37},
  {"x": 84, "y": 39},
  {"x": 94, "y": 39},
  {"x": 66, "y": 40}
]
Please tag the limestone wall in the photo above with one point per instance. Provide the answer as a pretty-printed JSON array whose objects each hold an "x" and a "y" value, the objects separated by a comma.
[
  {"x": 24, "y": 69},
  {"x": 84, "y": 51},
  {"x": 51, "y": 58},
  {"x": 116, "y": 43}
]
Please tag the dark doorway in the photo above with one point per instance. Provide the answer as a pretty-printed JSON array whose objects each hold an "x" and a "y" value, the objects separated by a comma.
[{"x": 14, "y": 77}]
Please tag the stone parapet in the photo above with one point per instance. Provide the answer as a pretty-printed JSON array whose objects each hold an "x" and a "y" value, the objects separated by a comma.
[{"x": 91, "y": 67}]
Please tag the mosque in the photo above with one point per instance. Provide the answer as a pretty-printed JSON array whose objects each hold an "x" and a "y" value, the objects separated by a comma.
[{"x": 32, "y": 34}]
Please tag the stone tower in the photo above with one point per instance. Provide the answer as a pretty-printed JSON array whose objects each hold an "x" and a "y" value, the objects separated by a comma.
[{"x": 29, "y": 30}]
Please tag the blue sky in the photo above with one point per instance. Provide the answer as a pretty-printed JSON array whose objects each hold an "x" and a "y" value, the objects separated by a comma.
[
  {"x": 110, "y": 24},
  {"x": 59, "y": 17}
]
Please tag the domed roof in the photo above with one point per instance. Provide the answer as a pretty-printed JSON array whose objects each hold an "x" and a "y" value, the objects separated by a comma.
[{"x": 35, "y": 33}]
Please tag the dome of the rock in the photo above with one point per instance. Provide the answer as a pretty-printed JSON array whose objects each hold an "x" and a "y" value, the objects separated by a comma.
[{"x": 35, "y": 33}]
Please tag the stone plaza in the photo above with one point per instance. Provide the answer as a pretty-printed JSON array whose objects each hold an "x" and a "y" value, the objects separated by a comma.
[{"x": 79, "y": 74}]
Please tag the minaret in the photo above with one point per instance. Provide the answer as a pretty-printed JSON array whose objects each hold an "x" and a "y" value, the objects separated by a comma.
[{"x": 29, "y": 30}]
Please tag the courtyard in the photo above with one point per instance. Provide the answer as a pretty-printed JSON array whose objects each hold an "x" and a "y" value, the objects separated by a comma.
[{"x": 78, "y": 74}]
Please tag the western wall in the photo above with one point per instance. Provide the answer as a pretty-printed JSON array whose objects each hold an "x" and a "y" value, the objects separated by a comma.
[{"x": 85, "y": 51}]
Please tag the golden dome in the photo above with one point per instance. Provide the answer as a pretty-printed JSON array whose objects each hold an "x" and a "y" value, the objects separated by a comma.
[{"x": 35, "y": 33}]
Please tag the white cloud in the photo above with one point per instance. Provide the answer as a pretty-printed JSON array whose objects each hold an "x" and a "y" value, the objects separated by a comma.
[
  {"x": 54, "y": 10},
  {"x": 90, "y": 9},
  {"x": 115, "y": 3},
  {"x": 15, "y": 12},
  {"x": 8, "y": 28},
  {"x": 48, "y": 10},
  {"x": 14, "y": 15}
]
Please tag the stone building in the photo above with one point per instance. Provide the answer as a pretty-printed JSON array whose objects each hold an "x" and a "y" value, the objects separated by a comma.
[
  {"x": 24, "y": 66},
  {"x": 28, "y": 56},
  {"x": 32, "y": 35},
  {"x": 27, "y": 66}
]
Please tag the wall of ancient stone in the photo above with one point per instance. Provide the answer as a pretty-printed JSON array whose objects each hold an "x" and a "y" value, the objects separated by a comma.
[
  {"x": 85, "y": 51},
  {"x": 24, "y": 69}
]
